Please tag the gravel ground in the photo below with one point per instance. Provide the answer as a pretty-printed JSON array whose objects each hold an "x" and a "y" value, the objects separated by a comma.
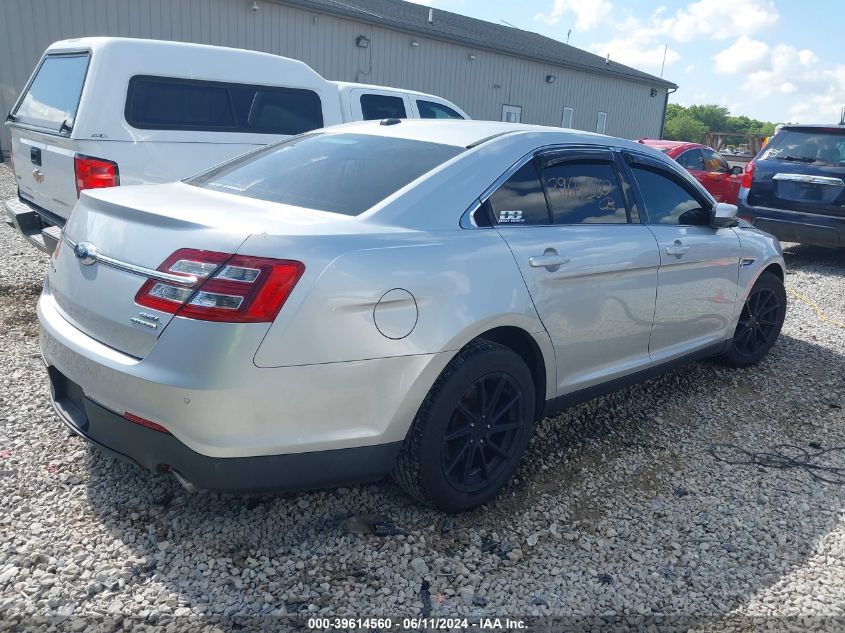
[{"x": 619, "y": 508}]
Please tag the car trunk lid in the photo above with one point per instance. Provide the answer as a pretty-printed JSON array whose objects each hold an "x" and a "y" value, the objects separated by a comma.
[{"x": 135, "y": 233}]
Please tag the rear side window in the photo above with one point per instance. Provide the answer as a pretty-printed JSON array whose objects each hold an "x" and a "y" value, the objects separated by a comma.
[
  {"x": 520, "y": 200},
  {"x": 374, "y": 107},
  {"x": 811, "y": 146},
  {"x": 432, "y": 110},
  {"x": 667, "y": 202},
  {"x": 341, "y": 173},
  {"x": 51, "y": 100},
  {"x": 163, "y": 103},
  {"x": 585, "y": 192}
]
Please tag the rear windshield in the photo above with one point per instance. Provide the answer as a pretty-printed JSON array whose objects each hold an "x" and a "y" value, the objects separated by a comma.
[
  {"x": 341, "y": 173},
  {"x": 819, "y": 147},
  {"x": 53, "y": 96}
]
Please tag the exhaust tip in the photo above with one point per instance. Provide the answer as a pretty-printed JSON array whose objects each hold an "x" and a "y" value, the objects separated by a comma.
[{"x": 187, "y": 485}]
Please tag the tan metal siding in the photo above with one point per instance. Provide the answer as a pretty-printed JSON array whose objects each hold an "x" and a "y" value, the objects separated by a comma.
[{"x": 327, "y": 43}]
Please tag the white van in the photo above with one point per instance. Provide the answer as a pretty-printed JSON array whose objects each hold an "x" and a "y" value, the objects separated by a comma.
[{"x": 103, "y": 111}]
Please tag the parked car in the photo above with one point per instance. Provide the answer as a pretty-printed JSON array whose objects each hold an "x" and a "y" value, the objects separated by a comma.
[
  {"x": 403, "y": 296},
  {"x": 706, "y": 164},
  {"x": 103, "y": 111},
  {"x": 795, "y": 187}
]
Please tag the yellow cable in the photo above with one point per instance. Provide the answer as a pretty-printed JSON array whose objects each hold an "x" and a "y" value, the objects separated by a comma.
[{"x": 815, "y": 307}]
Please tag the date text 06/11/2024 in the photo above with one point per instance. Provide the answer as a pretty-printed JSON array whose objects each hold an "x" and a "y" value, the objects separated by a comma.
[{"x": 415, "y": 624}]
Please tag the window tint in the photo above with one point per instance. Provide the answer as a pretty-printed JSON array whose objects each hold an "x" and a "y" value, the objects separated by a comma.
[
  {"x": 432, "y": 110},
  {"x": 822, "y": 147},
  {"x": 341, "y": 173},
  {"x": 667, "y": 202},
  {"x": 520, "y": 200},
  {"x": 585, "y": 192},
  {"x": 714, "y": 161},
  {"x": 163, "y": 103},
  {"x": 375, "y": 107},
  {"x": 691, "y": 159},
  {"x": 53, "y": 96}
]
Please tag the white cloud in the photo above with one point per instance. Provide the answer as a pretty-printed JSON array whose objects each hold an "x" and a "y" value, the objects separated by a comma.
[
  {"x": 719, "y": 19},
  {"x": 588, "y": 13},
  {"x": 744, "y": 55},
  {"x": 639, "y": 54},
  {"x": 689, "y": 69}
]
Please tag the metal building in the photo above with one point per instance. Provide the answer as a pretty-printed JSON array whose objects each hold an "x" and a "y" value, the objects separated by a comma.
[{"x": 491, "y": 71}]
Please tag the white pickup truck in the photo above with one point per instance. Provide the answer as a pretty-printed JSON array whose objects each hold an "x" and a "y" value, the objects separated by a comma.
[{"x": 103, "y": 111}]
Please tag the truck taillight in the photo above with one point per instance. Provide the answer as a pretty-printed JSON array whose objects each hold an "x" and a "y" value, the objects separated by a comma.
[
  {"x": 94, "y": 173},
  {"x": 225, "y": 287},
  {"x": 748, "y": 176}
]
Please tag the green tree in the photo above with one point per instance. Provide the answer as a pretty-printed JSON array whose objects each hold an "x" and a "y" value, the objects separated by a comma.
[{"x": 684, "y": 127}]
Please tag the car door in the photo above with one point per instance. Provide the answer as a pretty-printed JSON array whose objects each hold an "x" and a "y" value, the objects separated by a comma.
[
  {"x": 721, "y": 181},
  {"x": 590, "y": 269},
  {"x": 697, "y": 282}
]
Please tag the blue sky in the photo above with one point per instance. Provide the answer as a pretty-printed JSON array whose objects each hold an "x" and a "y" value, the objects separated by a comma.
[{"x": 774, "y": 60}]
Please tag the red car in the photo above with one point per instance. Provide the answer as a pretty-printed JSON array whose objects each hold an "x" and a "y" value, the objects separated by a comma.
[{"x": 706, "y": 164}]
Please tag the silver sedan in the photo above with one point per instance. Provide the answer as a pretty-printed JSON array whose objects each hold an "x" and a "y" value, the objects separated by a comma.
[{"x": 402, "y": 297}]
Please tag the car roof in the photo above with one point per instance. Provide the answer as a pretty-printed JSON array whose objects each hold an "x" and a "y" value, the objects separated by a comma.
[
  {"x": 467, "y": 133},
  {"x": 665, "y": 144},
  {"x": 830, "y": 127}
]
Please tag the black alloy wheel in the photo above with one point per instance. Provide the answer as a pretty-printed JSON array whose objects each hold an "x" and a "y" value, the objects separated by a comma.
[{"x": 483, "y": 432}]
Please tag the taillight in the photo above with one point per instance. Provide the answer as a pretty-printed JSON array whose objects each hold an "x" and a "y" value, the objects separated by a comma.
[
  {"x": 94, "y": 173},
  {"x": 230, "y": 288},
  {"x": 137, "y": 419},
  {"x": 748, "y": 176}
]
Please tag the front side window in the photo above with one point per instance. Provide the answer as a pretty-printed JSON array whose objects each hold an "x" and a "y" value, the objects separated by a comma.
[
  {"x": 691, "y": 159},
  {"x": 52, "y": 99},
  {"x": 341, "y": 173},
  {"x": 375, "y": 107},
  {"x": 714, "y": 161},
  {"x": 520, "y": 200},
  {"x": 666, "y": 201},
  {"x": 165, "y": 103},
  {"x": 433, "y": 110},
  {"x": 585, "y": 192}
]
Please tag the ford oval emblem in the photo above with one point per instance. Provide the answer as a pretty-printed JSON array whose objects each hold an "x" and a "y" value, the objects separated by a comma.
[{"x": 85, "y": 252}]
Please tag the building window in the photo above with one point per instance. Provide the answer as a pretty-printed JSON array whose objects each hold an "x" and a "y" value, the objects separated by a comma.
[
  {"x": 567, "y": 117},
  {"x": 511, "y": 113},
  {"x": 601, "y": 122}
]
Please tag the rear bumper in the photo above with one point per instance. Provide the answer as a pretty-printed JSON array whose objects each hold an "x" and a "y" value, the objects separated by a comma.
[
  {"x": 795, "y": 226},
  {"x": 200, "y": 383},
  {"x": 161, "y": 452},
  {"x": 35, "y": 227}
]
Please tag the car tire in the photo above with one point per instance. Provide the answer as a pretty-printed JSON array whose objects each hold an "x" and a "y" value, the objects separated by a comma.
[
  {"x": 759, "y": 324},
  {"x": 470, "y": 431}
]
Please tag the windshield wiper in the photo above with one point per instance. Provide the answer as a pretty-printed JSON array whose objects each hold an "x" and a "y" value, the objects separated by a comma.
[
  {"x": 797, "y": 159},
  {"x": 64, "y": 127}
]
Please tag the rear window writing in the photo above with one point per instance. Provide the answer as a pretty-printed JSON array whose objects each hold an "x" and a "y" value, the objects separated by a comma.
[
  {"x": 820, "y": 147},
  {"x": 164, "y": 103},
  {"x": 52, "y": 99},
  {"x": 583, "y": 192},
  {"x": 341, "y": 173}
]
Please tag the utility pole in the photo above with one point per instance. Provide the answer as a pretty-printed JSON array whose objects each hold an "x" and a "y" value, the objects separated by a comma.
[{"x": 663, "y": 65}]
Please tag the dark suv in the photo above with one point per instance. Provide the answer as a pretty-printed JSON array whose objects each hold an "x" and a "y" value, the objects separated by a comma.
[{"x": 795, "y": 187}]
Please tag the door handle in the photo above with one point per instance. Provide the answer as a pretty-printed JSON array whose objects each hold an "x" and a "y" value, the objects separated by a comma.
[
  {"x": 677, "y": 249},
  {"x": 549, "y": 259}
]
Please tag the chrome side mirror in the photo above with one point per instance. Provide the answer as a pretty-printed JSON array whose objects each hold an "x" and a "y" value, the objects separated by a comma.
[{"x": 723, "y": 215}]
